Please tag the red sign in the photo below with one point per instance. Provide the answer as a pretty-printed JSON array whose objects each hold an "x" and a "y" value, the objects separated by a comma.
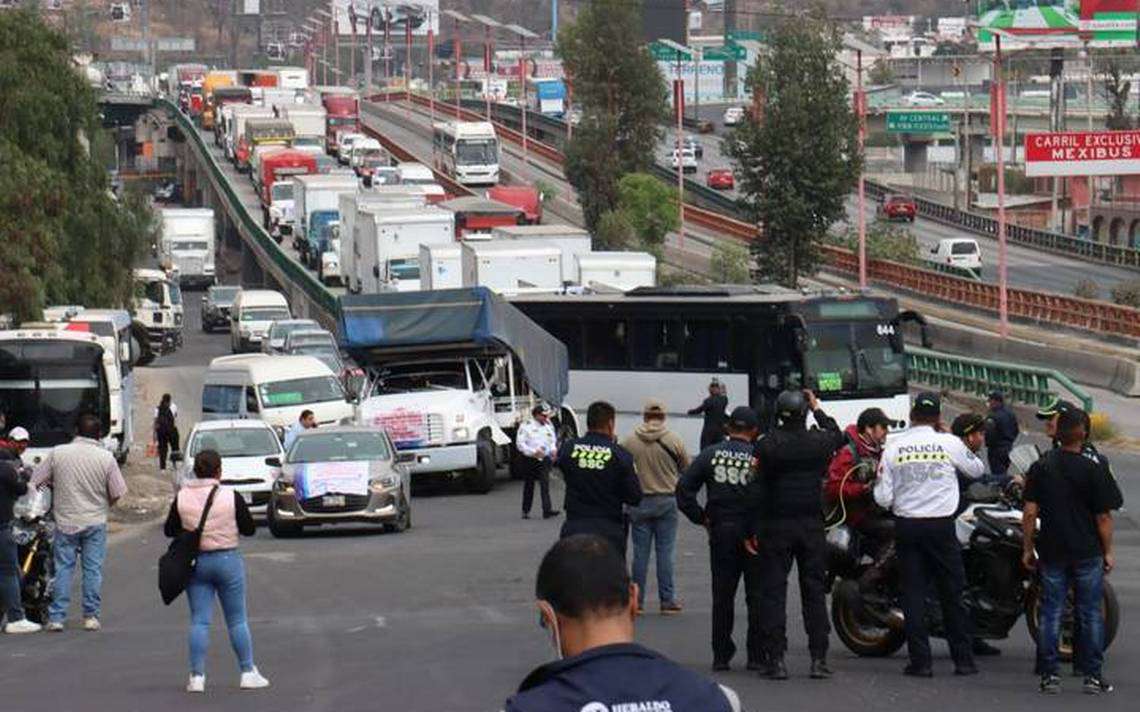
[{"x": 1082, "y": 153}]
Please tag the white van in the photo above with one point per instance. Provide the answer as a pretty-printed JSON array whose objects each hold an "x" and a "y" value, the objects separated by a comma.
[
  {"x": 962, "y": 253},
  {"x": 250, "y": 316},
  {"x": 275, "y": 389}
]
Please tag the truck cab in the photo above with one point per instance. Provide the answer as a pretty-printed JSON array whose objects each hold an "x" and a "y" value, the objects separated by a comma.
[
  {"x": 157, "y": 305},
  {"x": 276, "y": 188}
]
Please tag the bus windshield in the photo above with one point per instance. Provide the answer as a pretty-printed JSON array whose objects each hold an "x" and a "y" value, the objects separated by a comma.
[
  {"x": 46, "y": 385},
  {"x": 479, "y": 152},
  {"x": 853, "y": 357}
]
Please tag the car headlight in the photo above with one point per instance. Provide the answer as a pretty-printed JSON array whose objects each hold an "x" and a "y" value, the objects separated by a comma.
[
  {"x": 460, "y": 433},
  {"x": 385, "y": 482},
  {"x": 280, "y": 486}
]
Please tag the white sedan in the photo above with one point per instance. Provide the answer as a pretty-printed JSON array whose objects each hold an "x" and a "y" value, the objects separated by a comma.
[
  {"x": 924, "y": 98},
  {"x": 687, "y": 161},
  {"x": 733, "y": 115},
  {"x": 244, "y": 446}
]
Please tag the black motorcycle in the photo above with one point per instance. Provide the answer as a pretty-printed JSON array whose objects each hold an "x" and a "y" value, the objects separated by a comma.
[
  {"x": 998, "y": 588},
  {"x": 33, "y": 530}
]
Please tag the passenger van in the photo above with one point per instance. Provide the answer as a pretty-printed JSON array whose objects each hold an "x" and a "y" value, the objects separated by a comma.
[
  {"x": 274, "y": 389},
  {"x": 250, "y": 316}
]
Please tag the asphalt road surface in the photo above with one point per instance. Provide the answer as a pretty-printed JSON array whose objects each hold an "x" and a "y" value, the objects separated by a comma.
[{"x": 441, "y": 618}]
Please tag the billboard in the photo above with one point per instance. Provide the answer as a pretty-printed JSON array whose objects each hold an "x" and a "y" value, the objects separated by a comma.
[
  {"x": 664, "y": 20},
  {"x": 352, "y": 16},
  {"x": 1046, "y": 24},
  {"x": 1082, "y": 153}
]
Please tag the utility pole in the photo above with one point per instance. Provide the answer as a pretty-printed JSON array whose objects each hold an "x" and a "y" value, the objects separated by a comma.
[
  {"x": 368, "y": 54},
  {"x": 1056, "y": 122},
  {"x": 679, "y": 110},
  {"x": 998, "y": 130},
  {"x": 431, "y": 67},
  {"x": 1088, "y": 110},
  {"x": 860, "y": 114}
]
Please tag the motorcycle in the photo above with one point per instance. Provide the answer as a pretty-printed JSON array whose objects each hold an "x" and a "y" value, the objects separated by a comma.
[
  {"x": 33, "y": 530},
  {"x": 998, "y": 588}
]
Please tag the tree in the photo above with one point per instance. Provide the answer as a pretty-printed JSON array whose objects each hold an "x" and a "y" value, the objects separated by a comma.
[
  {"x": 799, "y": 162},
  {"x": 623, "y": 102},
  {"x": 1115, "y": 86},
  {"x": 650, "y": 208},
  {"x": 66, "y": 240},
  {"x": 885, "y": 241},
  {"x": 729, "y": 263},
  {"x": 881, "y": 73}
]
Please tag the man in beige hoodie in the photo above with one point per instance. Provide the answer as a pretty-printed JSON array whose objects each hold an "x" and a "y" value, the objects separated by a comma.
[{"x": 659, "y": 457}]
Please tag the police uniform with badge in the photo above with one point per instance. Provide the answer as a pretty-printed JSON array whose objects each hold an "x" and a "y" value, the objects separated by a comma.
[
  {"x": 600, "y": 480},
  {"x": 724, "y": 470}
]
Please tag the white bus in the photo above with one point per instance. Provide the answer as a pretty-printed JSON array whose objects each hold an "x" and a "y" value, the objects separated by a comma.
[
  {"x": 467, "y": 150},
  {"x": 670, "y": 343}
]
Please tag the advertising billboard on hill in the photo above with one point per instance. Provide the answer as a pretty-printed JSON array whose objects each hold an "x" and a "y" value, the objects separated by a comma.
[{"x": 1045, "y": 24}]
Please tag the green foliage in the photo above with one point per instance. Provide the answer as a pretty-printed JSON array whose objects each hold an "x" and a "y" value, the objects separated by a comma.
[
  {"x": 1087, "y": 289},
  {"x": 729, "y": 263},
  {"x": 650, "y": 208},
  {"x": 797, "y": 165},
  {"x": 623, "y": 102},
  {"x": 885, "y": 241},
  {"x": 1016, "y": 182},
  {"x": 1115, "y": 87},
  {"x": 614, "y": 232},
  {"x": 881, "y": 73},
  {"x": 1127, "y": 293},
  {"x": 548, "y": 191},
  {"x": 65, "y": 239}
]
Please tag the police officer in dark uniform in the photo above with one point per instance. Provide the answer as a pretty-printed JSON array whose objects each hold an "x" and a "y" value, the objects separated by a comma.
[
  {"x": 599, "y": 478},
  {"x": 587, "y": 605},
  {"x": 725, "y": 470},
  {"x": 791, "y": 462},
  {"x": 714, "y": 409},
  {"x": 1001, "y": 433}
]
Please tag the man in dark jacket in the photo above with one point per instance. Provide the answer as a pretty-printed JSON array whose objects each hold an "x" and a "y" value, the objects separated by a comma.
[
  {"x": 1001, "y": 433},
  {"x": 791, "y": 462},
  {"x": 714, "y": 408},
  {"x": 587, "y": 605},
  {"x": 13, "y": 485},
  {"x": 600, "y": 479},
  {"x": 731, "y": 493}
]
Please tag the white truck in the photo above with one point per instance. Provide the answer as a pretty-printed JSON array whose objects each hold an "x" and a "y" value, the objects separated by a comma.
[
  {"x": 276, "y": 98},
  {"x": 573, "y": 241},
  {"x": 441, "y": 266},
  {"x": 316, "y": 204},
  {"x": 394, "y": 197},
  {"x": 512, "y": 268},
  {"x": 296, "y": 78},
  {"x": 620, "y": 270},
  {"x": 235, "y": 124},
  {"x": 308, "y": 122},
  {"x": 386, "y": 245},
  {"x": 187, "y": 244},
  {"x": 157, "y": 306}
]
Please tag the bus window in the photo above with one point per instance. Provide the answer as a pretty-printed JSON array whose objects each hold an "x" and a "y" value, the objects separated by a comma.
[
  {"x": 221, "y": 399},
  {"x": 706, "y": 346},
  {"x": 658, "y": 344},
  {"x": 607, "y": 344},
  {"x": 569, "y": 332}
]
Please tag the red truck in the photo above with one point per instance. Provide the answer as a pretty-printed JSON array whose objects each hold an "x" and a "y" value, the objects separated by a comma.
[
  {"x": 523, "y": 197},
  {"x": 277, "y": 171},
  {"x": 342, "y": 115},
  {"x": 478, "y": 215}
]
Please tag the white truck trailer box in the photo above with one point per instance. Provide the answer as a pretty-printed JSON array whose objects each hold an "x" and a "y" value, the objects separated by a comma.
[
  {"x": 387, "y": 245},
  {"x": 350, "y": 206},
  {"x": 188, "y": 244},
  {"x": 296, "y": 78},
  {"x": 573, "y": 241},
  {"x": 242, "y": 113},
  {"x": 312, "y": 193},
  {"x": 308, "y": 120},
  {"x": 276, "y": 98},
  {"x": 441, "y": 266},
  {"x": 620, "y": 270},
  {"x": 512, "y": 268}
]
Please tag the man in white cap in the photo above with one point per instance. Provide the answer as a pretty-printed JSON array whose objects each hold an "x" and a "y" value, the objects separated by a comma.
[
  {"x": 537, "y": 445},
  {"x": 13, "y": 485}
]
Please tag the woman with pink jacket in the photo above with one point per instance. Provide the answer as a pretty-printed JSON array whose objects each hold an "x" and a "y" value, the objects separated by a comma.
[{"x": 220, "y": 570}]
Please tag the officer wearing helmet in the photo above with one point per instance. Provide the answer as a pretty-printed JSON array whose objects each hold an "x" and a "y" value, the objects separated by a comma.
[{"x": 791, "y": 464}]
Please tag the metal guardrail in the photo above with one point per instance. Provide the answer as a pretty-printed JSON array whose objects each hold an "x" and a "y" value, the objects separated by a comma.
[
  {"x": 299, "y": 276},
  {"x": 1021, "y": 384}
]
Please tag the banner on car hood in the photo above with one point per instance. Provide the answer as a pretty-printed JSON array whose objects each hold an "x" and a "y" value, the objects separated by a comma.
[{"x": 317, "y": 479}]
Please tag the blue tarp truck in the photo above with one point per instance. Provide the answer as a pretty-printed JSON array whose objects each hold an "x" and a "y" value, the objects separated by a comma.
[{"x": 547, "y": 97}]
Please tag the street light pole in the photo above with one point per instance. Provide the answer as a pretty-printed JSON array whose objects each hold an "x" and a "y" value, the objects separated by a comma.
[
  {"x": 679, "y": 110},
  {"x": 998, "y": 121},
  {"x": 861, "y": 220},
  {"x": 431, "y": 68}
]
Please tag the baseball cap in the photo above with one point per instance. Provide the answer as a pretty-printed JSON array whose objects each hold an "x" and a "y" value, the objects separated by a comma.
[
  {"x": 997, "y": 395},
  {"x": 542, "y": 409},
  {"x": 1056, "y": 406},
  {"x": 18, "y": 434},
  {"x": 967, "y": 423},
  {"x": 654, "y": 406},
  {"x": 927, "y": 404},
  {"x": 743, "y": 418}
]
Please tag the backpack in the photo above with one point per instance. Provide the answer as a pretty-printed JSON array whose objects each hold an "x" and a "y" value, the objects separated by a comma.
[{"x": 164, "y": 421}]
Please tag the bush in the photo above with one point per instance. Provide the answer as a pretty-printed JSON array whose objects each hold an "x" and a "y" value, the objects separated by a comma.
[
  {"x": 615, "y": 232},
  {"x": 547, "y": 190},
  {"x": 884, "y": 242},
  {"x": 1086, "y": 289},
  {"x": 1101, "y": 428},
  {"x": 1127, "y": 293},
  {"x": 729, "y": 263}
]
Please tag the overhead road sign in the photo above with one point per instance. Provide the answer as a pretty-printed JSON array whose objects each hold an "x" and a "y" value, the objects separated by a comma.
[
  {"x": 727, "y": 53},
  {"x": 1082, "y": 153},
  {"x": 918, "y": 122},
  {"x": 667, "y": 50}
]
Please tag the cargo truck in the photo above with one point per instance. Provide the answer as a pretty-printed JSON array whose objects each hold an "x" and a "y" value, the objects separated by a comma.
[
  {"x": 475, "y": 215},
  {"x": 236, "y": 117},
  {"x": 276, "y": 188},
  {"x": 187, "y": 244},
  {"x": 313, "y": 195},
  {"x": 157, "y": 306},
  {"x": 342, "y": 107},
  {"x": 512, "y": 267},
  {"x": 221, "y": 97},
  {"x": 395, "y": 197},
  {"x": 308, "y": 120},
  {"x": 213, "y": 80},
  {"x": 441, "y": 266},
  {"x": 293, "y": 78},
  {"x": 386, "y": 245},
  {"x": 619, "y": 270},
  {"x": 573, "y": 241}
]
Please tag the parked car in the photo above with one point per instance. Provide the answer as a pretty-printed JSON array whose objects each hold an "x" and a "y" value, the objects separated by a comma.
[
  {"x": 733, "y": 115},
  {"x": 274, "y": 342},
  {"x": 244, "y": 445},
  {"x": 962, "y": 252},
  {"x": 216, "y": 306},
  {"x": 924, "y": 98},
  {"x": 687, "y": 160},
  {"x": 898, "y": 207},
  {"x": 339, "y": 475},
  {"x": 721, "y": 179}
]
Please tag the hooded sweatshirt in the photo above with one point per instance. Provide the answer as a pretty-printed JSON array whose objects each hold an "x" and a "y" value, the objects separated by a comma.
[
  {"x": 659, "y": 457},
  {"x": 857, "y": 492}
]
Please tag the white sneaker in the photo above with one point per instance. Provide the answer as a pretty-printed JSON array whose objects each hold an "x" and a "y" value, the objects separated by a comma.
[
  {"x": 91, "y": 624},
  {"x": 55, "y": 627},
  {"x": 253, "y": 680},
  {"x": 197, "y": 683},
  {"x": 22, "y": 626}
]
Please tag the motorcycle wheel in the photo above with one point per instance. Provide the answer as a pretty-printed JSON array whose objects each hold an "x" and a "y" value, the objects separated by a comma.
[
  {"x": 1110, "y": 608},
  {"x": 864, "y": 638}
]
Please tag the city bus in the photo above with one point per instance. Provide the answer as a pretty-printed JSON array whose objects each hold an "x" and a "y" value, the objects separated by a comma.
[
  {"x": 670, "y": 343},
  {"x": 467, "y": 150}
]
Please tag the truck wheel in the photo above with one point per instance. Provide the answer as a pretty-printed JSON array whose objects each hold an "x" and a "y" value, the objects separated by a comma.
[{"x": 482, "y": 478}]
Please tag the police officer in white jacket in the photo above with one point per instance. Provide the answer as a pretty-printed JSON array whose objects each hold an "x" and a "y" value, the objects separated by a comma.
[{"x": 918, "y": 483}]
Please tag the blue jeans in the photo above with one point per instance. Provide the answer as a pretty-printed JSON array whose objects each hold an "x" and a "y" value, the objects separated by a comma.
[
  {"x": 1087, "y": 578},
  {"x": 221, "y": 573},
  {"x": 654, "y": 521},
  {"x": 9, "y": 576},
  {"x": 90, "y": 545}
]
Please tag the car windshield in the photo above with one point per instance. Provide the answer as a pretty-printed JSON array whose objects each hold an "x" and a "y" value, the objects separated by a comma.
[
  {"x": 300, "y": 391},
  {"x": 404, "y": 269},
  {"x": 480, "y": 152},
  {"x": 325, "y": 354},
  {"x": 963, "y": 248},
  {"x": 853, "y": 358},
  {"x": 235, "y": 442},
  {"x": 224, "y": 295},
  {"x": 187, "y": 245},
  {"x": 264, "y": 314},
  {"x": 339, "y": 447},
  {"x": 282, "y": 190},
  {"x": 283, "y": 329},
  {"x": 324, "y": 339},
  {"x": 441, "y": 378}
]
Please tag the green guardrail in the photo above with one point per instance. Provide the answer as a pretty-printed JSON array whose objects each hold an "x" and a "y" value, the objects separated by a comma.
[
  {"x": 1021, "y": 384},
  {"x": 297, "y": 274}
]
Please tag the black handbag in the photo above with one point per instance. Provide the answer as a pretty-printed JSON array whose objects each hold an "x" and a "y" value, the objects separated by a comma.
[{"x": 176, "y": 566}]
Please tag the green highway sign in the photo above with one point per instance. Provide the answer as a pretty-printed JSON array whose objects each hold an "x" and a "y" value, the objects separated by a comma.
[
  {"x": 727, "y": 53},
  {"x": 746, "y": 35},
  {"x": 665, "y": 53},
  {"x": 918, "y": 122}
]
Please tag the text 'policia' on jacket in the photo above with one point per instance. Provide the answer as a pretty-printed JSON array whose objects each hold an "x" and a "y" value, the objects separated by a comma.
[
  {"x": 791, "y": 464},
  {"x": 725, "y": 470},
  {"x": 599, "y": 478}
]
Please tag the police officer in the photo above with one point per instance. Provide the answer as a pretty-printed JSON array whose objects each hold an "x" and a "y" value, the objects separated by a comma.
[
  {"x": 725, "y": 470},
  {"x": 714, "y": 409},
  {"x": 918, "y": 481},
  {"x": 791, "y": 464},
  {"x": 587, "y": 606},
  {"x": 599, "y": 478},
  {"x": 1001, "y": 432}
]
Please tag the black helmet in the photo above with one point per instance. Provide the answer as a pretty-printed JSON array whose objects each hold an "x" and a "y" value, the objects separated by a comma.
[{"x": 791, "y": 406}]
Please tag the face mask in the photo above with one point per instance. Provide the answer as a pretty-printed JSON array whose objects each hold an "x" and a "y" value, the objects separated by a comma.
[{"x": 555, "y": 638}]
